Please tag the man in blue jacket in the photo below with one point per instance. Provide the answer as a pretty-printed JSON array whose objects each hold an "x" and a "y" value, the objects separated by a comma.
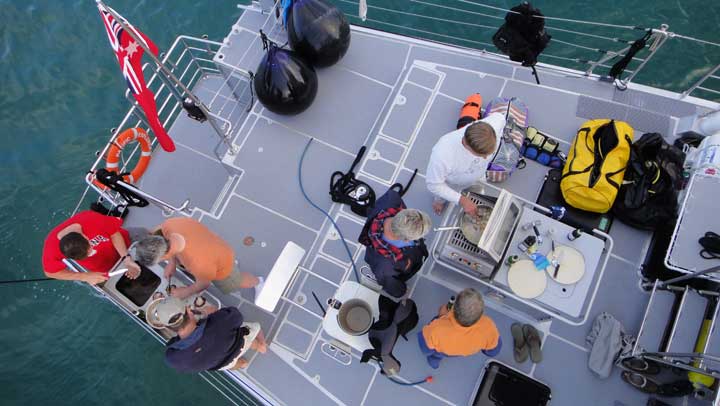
[
  {"x": 393, "y": 235},
  {"x": 217, "y": 342}
]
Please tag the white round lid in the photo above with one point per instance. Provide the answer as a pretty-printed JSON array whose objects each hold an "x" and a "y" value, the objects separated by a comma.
[
  {"x": 525, "y": 280},
  {"x": 572, "y": 265}
]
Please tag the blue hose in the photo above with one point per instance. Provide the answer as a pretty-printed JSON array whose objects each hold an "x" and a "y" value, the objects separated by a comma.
[{"x": 302, "y": 189}]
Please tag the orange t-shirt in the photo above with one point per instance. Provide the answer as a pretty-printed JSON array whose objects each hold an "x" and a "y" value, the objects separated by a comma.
[
  {"x": 446, "y": 335},
  {"x": 205, "y": 255}
]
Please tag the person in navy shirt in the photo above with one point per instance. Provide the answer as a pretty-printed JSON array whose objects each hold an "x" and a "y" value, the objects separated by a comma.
[{"x": 216, "y": 342}]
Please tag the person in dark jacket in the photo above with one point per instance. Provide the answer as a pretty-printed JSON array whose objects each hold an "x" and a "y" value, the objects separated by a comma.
[
  {"x": 393, "y": 235},
  {"x": 217, "y": 342}
]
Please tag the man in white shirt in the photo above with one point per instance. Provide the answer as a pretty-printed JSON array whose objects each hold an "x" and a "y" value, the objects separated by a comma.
[{"x": 459, "y": 159}]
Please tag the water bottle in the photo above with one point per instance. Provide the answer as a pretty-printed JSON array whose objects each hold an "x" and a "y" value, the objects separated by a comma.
[
  {"x": 451, "y": 302},
  {"x": 574, "y": 234}
]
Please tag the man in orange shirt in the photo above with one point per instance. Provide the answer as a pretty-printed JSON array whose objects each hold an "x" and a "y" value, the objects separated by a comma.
[
  {"x": 187, "y": 242},
  {"x": 461, "y": 331}
]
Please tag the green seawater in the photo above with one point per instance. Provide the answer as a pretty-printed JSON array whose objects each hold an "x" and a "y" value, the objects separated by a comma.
[{"x": 60, "y": 94}]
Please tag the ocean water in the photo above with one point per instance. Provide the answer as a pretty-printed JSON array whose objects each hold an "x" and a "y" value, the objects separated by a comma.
[{"x": 60, "y": 94}]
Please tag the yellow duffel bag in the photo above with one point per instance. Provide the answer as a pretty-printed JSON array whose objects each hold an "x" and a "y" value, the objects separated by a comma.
[{"x": 596, "y": 165}]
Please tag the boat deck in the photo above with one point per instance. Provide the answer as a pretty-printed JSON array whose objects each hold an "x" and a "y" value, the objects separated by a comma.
[{"x": 397, "y": 96}]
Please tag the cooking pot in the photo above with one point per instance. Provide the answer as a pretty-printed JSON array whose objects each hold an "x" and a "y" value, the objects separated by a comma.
[
  {"x": 354, "y": 316},
  {"x": 472, "y": 227}
]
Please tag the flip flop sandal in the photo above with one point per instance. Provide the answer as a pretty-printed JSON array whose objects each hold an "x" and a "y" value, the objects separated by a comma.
[
  {"x": 642, "y": 366},
  {"x": 639, "y": 382},
  {"x": 532, "y": 338},
  {"x": 520, "y": 348}
]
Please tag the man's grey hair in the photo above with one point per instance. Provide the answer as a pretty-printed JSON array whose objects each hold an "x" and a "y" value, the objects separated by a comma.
[
  {"x": 469, "y": 307},
  {"x": 149, "y": 250},
  {"x": 411, "y": 224}
]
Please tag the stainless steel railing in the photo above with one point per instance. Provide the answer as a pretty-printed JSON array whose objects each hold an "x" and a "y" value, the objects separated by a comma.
[
  {"x": 190, "y": 60},
  {"x": 480, "y": 20}
]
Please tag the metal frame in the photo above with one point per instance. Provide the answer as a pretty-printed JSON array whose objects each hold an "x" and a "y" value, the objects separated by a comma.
[
  {"x": 659, "y": 37},
  {"x": 710, "y": 74},
  {"x": 690, "y": 273}
]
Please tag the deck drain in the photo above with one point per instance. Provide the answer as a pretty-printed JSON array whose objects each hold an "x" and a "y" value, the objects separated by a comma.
[
  {"x": 248, "y": 241},
  {"x": 301, "y": 299},
  {"x": 400, "y": 100},
  {"x": 263, "y": 244},
  {"x": 374, "y": 154}
]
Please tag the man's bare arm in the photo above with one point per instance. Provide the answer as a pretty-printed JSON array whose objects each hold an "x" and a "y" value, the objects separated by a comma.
[{"x": 92, "y": 278}]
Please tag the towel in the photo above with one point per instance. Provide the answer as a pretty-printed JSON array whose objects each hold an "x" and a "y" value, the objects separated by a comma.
[{"x": 609, "y": 344}]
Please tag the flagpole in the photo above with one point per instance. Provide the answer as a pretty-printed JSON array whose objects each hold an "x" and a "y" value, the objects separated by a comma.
[{"x": 170, "y": 76}]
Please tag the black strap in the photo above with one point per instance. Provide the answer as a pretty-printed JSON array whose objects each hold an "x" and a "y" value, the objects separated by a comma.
[
  {"x": 398, "y": 187},
  {"x": 534, "y": 72},
  {"x": 619, "y": 67},
  {"x": 358, "y": 157}
]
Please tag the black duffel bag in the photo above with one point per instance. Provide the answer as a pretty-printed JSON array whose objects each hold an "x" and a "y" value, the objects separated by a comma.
[{"x": 653, "y": 178}]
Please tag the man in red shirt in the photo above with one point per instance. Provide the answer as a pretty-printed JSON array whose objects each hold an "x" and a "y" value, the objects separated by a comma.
[{"x": 94, "y": 241}]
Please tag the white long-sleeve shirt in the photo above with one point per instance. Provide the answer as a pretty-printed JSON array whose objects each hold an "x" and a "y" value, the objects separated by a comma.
[{"x": 452, "y": 167}]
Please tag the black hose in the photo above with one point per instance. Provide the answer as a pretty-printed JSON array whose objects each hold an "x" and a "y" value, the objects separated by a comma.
[{"x": 319, "y": 303}]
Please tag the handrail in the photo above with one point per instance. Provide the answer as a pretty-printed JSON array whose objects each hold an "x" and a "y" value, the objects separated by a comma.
[
  {"x": 659, "y": 37},
  {"x": 190, "y": 59},
  {"x": 696, "y": 85}
]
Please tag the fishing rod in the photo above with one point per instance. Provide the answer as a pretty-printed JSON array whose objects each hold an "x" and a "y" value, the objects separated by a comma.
[{"x": 26, "y": 280}]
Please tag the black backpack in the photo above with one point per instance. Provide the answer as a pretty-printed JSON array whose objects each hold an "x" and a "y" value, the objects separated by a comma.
[
  {"x": 396, "y": 319},
  {"x": 346, "y": 189},
  {"x": 653, "y": 177},
  {"x": 523, "y": 36}
]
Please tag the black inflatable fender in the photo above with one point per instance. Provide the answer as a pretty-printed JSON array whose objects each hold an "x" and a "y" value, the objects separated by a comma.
[
  {"x": 318, "y": 31},
  {"x": 284, "y": 82}
]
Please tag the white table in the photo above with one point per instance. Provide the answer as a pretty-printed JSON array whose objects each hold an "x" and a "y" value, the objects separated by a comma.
[
  {"x": 351, "y": 290},
  {"x": 567, "y": 299}
]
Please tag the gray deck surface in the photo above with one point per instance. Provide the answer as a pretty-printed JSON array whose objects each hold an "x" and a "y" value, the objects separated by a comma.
[{"x": 398, "y": 105}]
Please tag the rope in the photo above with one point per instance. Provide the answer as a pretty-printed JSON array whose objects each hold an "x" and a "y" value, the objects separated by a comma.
[
  {"x": 424, "y": 31},
  {"x": 26, "y": 280},
  {"x": 602, "y": 51},
  {"x": 80, "y": 202},
  {"x": 302, "y": 189},
  {"x": 617, "y": 40},
  {"x": 626, "y": 27},
  {"x": 548, "y": 27},
  {"x": 424, "y": 16},
  {"x": 702, "y": 41},
  {"x": 458, "y": 9},
  {"x": 613, "y": 39}
]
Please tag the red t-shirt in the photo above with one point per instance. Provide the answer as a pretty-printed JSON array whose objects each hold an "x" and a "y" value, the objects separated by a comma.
[{"x": 98, "y": 229}]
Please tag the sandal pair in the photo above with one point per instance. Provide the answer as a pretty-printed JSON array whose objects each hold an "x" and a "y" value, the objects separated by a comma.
[{"x": 526, "y": 342}]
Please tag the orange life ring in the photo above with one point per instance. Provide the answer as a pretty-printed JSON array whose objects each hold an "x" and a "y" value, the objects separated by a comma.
[{"x": 112, "y": 160}]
